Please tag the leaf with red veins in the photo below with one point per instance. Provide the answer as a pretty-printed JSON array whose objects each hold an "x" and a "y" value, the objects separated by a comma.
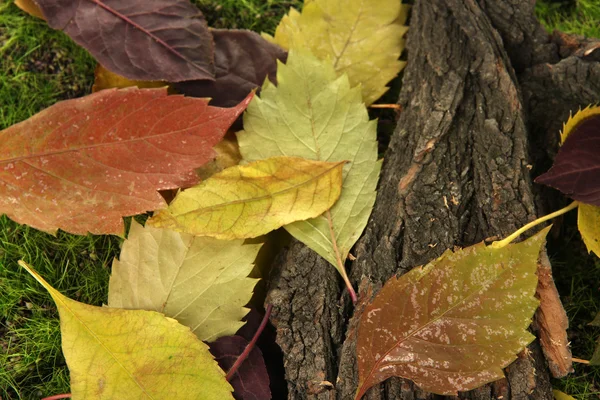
[{"x": 83, "y": 164}]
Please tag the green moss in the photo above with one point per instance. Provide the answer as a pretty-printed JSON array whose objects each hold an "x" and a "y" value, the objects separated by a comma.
[{"x": 581, "y": 17}]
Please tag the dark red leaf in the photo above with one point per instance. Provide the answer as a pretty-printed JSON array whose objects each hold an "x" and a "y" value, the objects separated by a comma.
[
  {"x": 83, "y": 164},
  {"x": 243, "y": 59},
  {"x": 149, "y": 40},
  {"x": 251, "y": 381},
  {"x": 576, "y": 169}
]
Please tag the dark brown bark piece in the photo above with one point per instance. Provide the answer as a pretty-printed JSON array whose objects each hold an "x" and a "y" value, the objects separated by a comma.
[{"x": 457, "y": 172}]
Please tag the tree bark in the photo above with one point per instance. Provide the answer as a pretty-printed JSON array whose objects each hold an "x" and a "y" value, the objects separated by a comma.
[{"x": 484, "y": 95}]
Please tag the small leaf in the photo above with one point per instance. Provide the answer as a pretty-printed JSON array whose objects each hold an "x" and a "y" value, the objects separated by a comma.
[
  {"x": 124, "y": 354},
  {"x": 313, "y": 114},
  {"x": 588, "y": 222},
  {"x": 201, "y": 282},
  {"x": 558, "y": 395},
  {"x": 83, "y": 164},
  {"x": 363, "y": 39},
  {"x": 147, "y": 40},
  {"x": 30, "y": 7},
  {"x": 104, "y": 79},
  {"x": 252, "y": 200},
  {"x": 576, "y": 168},
  {"x": 243, "y": 61},
  {"x": 251, "y": 381},
  {"x": 453, "y": 324}
]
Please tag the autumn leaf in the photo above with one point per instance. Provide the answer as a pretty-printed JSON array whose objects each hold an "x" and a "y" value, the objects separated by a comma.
[
  {"x": 252, "y": 200},
  {"x": 251, "y": 381},
  {"x": 146, "y": 40},
  {"x": 558, "y": 395},
  {"x": 576, "y": 170},
  {"x": 363, "y": 38},
  {"x": 243, "y": 61},
  {"x": 30, "y": 7},
  {"x": 201, "y": 282},
  {"x": 125, "y": 354},
  {"x": 105, "y": 79},
  {"x": 453, "y": 324},
  {"x": 83, "y": 164},
  {"x": 316, "y": 115}
]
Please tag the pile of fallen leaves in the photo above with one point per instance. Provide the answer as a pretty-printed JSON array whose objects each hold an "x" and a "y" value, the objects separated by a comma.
[{"x": 161, "y": 134}]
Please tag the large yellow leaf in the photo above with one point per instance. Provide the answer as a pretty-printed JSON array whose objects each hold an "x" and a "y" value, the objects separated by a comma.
[
  {"x": 588, "y": 221},
  {"x": 252, "y": 200},
  {"x": 133, "y": 354},
  {"x": 363, "y": 38},
  {"x": 201, "y": 282},
  {"x": 453, "y": 324},
  {"x": 313, "y": 114}
]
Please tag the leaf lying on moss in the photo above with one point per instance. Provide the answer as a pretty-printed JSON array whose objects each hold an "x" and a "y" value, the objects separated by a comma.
[
  {"x": 243, "y": 61},
  {"x": 363, "y": 38},
  {"x": 147, "y": 40},
  {"x": 30, "y": 7},
  {"x": 201, "y": 282},
  {"x": 83, "y": 164},
  {"x": 453, "y": 324},
  {"x": 252, "y": 200},
  {"x": 127, "y": 354}
]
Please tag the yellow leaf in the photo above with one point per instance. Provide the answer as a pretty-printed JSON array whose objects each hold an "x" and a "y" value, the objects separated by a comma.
[
  {"x": 124, "y": 354},
  {"x": 558, "y": 395},
  {"x": 576, "y": 119},
  {"x": 105, "y": 79},
  {"x": 228, "y": 155},
  {"x": 363, "y": 38},
  {"x": 30, "y": 7},
  {"x": 251, "y": 200},
  {"x": 201, "y": 282},
  {"x": 588, "y": 221}
]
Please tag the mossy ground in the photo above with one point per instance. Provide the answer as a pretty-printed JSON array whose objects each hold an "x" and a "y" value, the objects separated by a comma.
[{"x": 39, "y": 66}]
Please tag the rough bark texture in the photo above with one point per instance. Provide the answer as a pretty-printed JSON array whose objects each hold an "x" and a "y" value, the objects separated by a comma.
[{"x": 484, "y": 85}]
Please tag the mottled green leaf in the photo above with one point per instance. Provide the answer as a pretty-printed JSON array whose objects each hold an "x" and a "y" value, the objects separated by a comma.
[{"x": 453, "y": 324}]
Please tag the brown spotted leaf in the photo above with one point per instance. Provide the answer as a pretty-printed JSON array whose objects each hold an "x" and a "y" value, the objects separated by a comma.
[
  {"x": 243, "y": 61},
  {"x": 453, "y": 324},
  {"x": 576, "y": 169},
  {"x": 83, "y": 164},
  {"x": 148, "y": 40}
]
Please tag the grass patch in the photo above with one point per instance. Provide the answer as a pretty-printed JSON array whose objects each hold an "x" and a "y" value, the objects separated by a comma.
[{"x": 581, "y": 17}]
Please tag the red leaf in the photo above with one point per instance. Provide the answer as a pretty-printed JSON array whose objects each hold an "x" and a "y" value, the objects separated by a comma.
[
  {"x": 244, "y": 60},
  {"x": 251, "y": 381},
  {"x": 150, "y": 40},
  {"x": 83, "y": 164},
  {"x": 576, "y": 169}
]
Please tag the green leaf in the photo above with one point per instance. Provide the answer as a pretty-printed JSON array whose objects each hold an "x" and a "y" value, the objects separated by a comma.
[
  {"x": 455, "y": 323},
  {"x": 315, "y": 115},
  {"x": 252, "y": 200},
  {"x": 588, "y": 222},
  {"x": 363, "y": 39},
  {"x": 201, "y": 282},
  {"x": 125, "y": 354}
]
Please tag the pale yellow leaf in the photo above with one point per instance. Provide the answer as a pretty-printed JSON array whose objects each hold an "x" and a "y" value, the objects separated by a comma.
[
  {"x": 201, "y": 282},
  {"x": 363, "y": 38},
  {"x": 588, "y": 222},
  {"x": 252, "y": 200},
  {"x": 558, "y": 395},
  {"x": 133, "y": 354}
]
